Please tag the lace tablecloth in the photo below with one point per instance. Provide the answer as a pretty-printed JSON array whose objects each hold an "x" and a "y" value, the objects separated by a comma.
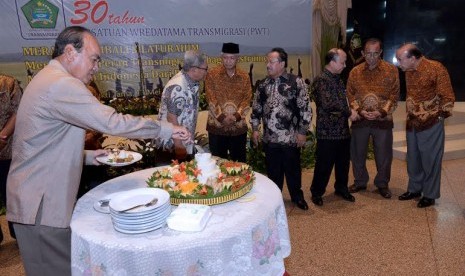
[{"x": 247, "y": 236}]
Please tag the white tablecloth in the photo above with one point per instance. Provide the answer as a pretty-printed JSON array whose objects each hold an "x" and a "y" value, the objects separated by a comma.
[{"x": 247, "y": 236}]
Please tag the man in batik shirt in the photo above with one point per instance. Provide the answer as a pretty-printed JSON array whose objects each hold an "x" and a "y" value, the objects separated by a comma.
[
  {"x": 180, "y": 102},
  {"x": 373, "y": 90},
  {"x": 228, "y": 93},
  {"x": 430, "y": 99},
  {"x": 332, "y": 129},
  {"x": 281, "y": 103},
  {"x": 10, "y": 95}
]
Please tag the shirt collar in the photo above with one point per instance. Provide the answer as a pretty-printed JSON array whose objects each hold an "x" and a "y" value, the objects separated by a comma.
[
  {"x": 284, "y": 77},
  {"x": 190, "y": 82},
  {"x": 377, "y": 67},
  {"x": 421, "y": 64},
  {"x": 330, "y": 74},
  {"x": 223, "y": 70}
]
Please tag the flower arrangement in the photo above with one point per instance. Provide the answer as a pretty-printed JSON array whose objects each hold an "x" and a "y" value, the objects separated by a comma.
[
  {"x": 136, "y": 105},
  {"x": 181, "y": 179}
]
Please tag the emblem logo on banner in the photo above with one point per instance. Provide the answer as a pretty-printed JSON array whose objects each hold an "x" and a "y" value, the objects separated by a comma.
[
  {"x": 40, "y": 14},
  {"x": 39, "y": 19}
]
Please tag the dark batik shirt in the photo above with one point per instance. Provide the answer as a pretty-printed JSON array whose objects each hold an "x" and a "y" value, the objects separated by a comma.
[
  {"x": 332, "y": 109},
  {"x": 282, "y": 105}
]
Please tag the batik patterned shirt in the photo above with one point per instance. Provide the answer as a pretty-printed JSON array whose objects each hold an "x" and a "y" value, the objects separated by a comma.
[
  {"x": 282, "y": 105},
  {"x": 181, "y": 98},
  {"x": 374, "y": 90},
  {"x": 227, "y": 96},
  {"x": 10, "y": 95},
  {"x": 429, "y": 95},
  {"x": 332, "y": 108}
]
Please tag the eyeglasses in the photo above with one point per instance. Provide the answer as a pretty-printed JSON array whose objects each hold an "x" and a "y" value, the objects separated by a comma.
[
  {"x": 372, "y": 55},
  {"x": 206, "y": 69},
  {"x": 273, "y": 61}
]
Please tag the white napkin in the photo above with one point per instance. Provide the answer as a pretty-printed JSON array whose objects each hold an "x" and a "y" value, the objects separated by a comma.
[{"x": 189, "y": 217}]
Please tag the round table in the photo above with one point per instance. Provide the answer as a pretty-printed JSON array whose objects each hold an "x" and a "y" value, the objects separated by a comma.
[{"x": 247, "y": 236}]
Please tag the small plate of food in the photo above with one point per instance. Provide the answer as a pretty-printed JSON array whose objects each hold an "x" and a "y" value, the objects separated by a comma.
[{"x": 120, "y": 158}]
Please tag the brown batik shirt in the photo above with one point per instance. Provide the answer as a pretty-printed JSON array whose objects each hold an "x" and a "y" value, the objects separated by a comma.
[
  {"x": 374, "y": 90},
  {"x": 429, "y": 95},
  {"x": 10, "y": 95},
  {"x": 227, "y": 96}
]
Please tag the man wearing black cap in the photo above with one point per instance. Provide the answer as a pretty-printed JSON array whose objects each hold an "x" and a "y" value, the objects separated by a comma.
[{"x": 228, "y": 93}]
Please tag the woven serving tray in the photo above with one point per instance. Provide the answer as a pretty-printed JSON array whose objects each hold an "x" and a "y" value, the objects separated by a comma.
[{"x": 215, "y": 200}]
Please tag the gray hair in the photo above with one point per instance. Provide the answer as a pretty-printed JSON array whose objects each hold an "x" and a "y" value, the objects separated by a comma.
[
  {"x": 193, "y": 58},
  {"x": 332, "y": 55}
]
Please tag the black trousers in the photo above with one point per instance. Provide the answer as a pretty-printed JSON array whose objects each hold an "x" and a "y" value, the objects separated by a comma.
[
  {"x": 283, "y": 161},
  {"x": 220, "y": 145},
  {"x": 329, "y": 154},
  {"x": 4, "y": 168},
  {"x": 91, "y": 177}
]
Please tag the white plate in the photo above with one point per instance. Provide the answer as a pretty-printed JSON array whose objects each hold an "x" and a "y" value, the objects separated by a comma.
[
  {"x": 140, "y": 226},
  {"x": 104, "y": 159},
  {"x": 98, "y": 205},
  {"x": 132, "y": 220},
  {"x": 139, "y": 231},
  {"x": 134, "y": 217},
  {"x": 127, "y": 199},
  {"x": 140, "y": 212}
]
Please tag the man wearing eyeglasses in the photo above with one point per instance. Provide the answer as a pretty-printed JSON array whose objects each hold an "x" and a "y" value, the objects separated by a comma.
[
  {"x": 228, "y": 93},
  {"x": 281, "y": 103},
  {"x": 180, "y": 104},
  {"x": 372, "y": 91},
  {"x": 48, "y": 149}
]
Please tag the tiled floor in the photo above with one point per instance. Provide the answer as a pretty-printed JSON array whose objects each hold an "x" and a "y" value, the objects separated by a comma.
[
  {"x": 373, "y": 236},
  {"x": 377, "y": 236}
]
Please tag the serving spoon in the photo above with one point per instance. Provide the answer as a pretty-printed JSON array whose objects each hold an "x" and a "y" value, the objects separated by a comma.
[{"x": 150, "y": 203}]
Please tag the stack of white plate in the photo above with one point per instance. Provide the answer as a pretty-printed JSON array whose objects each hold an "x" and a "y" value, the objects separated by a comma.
[{"x": 141, "y": 219}]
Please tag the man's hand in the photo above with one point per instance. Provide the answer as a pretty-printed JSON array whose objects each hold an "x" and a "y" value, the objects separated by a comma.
[
  {"x": 229, "y": 120},
  {"x": 301, "y": 139},
  {"x": 180, "y": 132},
  {"x": 354, "y": 115},
  {"x": 370, "y": 115},
  {"x": 255, "y": 137},
  {"x": 376, "y": 114},
  {"x": 94, "y": 154},
  {"x": 3, "y": 141}
]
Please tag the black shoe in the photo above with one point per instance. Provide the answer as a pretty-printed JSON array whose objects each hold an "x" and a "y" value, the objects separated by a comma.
[
  {"x": 354, "y": 188},
  {"x": 346, "y": 196},
  {"x": 317, "y": 200},
  {"x": 12, "y": 230},
  {"x": 385, "y": 192},
  {"x": 409, "y": 195},
  {"x": 425, "y": 202},
  {"x": 302, "y": 204}
]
